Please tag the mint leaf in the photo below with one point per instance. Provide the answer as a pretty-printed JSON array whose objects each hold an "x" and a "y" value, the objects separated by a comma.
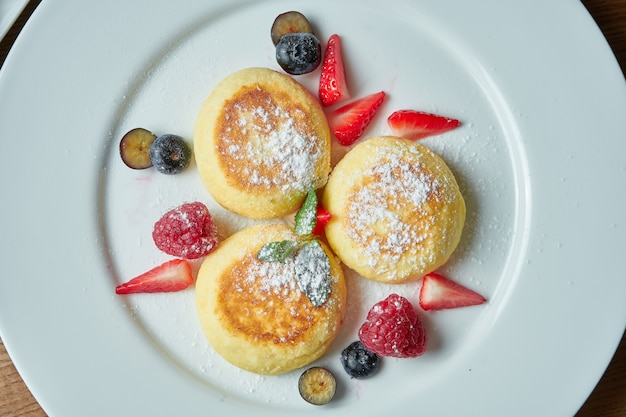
[
  {"x": 313, "y": 272},
  {"x": 307, "y": 215},
  {"x": 277, "y": 251}
]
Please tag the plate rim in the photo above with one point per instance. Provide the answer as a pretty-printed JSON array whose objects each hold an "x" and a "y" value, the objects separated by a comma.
[{"x": 14, "y": 351}]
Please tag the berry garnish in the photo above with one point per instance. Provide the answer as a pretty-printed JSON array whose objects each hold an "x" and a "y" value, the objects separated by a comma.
[
  {"x": 412, "y": 124},
  {"x": 348, "y": 122},
  {"x": 360, "y": 362},
  {"x": 187, "y": 231},
  {"x": 333, "y": 87},
  {"x": 439, "y": 292},
  {"x": 317, "y": 385},
  {"x": 322, "y": 217},
  {"x": 135, "y": 148},
  {"x": 289, "y": 22},
  {"x": 170, "y": 154},
  {"x": 171, "y": 276},
  {"x": 298, "y": 53},
  {"x": 393, "y": 328}
]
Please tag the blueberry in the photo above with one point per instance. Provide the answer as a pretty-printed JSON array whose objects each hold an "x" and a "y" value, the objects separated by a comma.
[
  {"x": 170, "y": 154},
  {"x": 317, "y": 385},
  {"x": 298, "y": 53},
  {"x": 359, "y": 362},
  {"x": 135, "y": 148},
  {"x": 289, "y": 22}
]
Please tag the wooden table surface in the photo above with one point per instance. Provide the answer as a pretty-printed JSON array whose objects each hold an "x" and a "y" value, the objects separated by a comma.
[{"x": 607, "y": 400}]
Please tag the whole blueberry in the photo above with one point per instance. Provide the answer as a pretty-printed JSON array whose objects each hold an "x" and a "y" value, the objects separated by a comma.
[
  {"x": 170, "y": 154},
  {"x": 298, "y": 53},
  {"x": 359, "y": 362}
]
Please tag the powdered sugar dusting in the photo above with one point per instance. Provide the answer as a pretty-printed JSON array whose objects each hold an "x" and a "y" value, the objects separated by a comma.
[
  {"x": 377, "y": 211},
  {"x": 267, "y": 145},
  {"x": 272, "y": 277},
  {"x": 166, "y": 96},
  {"x": 265, "y": 300},
  {"x": 313, "y": 272}
]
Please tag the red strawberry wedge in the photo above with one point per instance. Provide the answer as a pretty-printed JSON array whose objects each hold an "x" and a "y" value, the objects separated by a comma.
[
  {"x": 412, "y": 124},
  {"x": 348, "y": 122},
  {"x": 322, "y": 219},
  {"x": 333, "y": 87},
  {"x": 169, "y": 277},
  {"x": 439, "y": 292}
]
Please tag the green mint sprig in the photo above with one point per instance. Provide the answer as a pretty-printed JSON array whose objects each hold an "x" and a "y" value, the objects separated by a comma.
[
  {"x": 306, "y": 217},
  {"x": 278, "y": 251},
  {"x": 311, "y": 261}
]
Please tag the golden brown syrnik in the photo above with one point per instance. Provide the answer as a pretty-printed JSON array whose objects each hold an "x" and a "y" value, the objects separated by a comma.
[
  {"x": 397, "y": 211},
  {"x": 261, "y": 141},
  {"x": 255, "y": 315}
]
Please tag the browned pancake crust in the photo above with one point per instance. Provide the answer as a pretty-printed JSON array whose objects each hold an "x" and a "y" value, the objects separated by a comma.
[
  {"x": 265, "y": 114},
  {"x": 261, "y": 141},
  {"x": 253, "y": 312},
  {"x": 262, "y": 312}
]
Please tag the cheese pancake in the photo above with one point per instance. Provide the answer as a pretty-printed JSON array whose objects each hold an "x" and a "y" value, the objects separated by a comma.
[
  {"x": 397, "y": 211},
  {"x": 261, "y": 142},
  {"x": 254, "y": 313}
]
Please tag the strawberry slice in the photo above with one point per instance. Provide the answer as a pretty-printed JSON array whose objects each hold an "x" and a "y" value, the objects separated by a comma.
[
  {"x": 171, "y": 276},
  {"x": 439, "y": 292},
  {"x": 350, "y": 121},
  {"x": 413, "y": 124},
  {"x": 322, "y": 219},
  {"x": 333, "y": 87}
]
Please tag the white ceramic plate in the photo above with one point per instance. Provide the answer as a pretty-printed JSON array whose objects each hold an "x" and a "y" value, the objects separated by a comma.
[
  {"x": 540, "y": 159},
  {"x": 9, "y": 11}
]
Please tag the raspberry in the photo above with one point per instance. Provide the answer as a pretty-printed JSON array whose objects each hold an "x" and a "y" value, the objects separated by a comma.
[
  {"x": 187, "y": 231},
  {"x": 392, "y": 328}
]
